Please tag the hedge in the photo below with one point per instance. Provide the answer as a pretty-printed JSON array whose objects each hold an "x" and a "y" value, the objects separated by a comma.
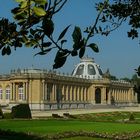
[
  {"x": 1, "y": 113},
  {"x": 21, "y": 111}
]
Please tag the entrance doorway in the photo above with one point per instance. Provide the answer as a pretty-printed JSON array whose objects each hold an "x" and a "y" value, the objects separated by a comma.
[{"x": 98, "y": 96}]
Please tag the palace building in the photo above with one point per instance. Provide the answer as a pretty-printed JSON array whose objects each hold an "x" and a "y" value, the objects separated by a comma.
[{"x": 86, "y": 87}]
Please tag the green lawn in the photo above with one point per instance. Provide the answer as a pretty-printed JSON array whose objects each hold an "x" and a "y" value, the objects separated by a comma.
[
  {"x": 98, "y": 122},
  {"x": 53, "y": 126}
]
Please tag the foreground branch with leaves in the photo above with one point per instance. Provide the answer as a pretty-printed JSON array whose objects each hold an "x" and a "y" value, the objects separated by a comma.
[{"x": 34, "y": 27}]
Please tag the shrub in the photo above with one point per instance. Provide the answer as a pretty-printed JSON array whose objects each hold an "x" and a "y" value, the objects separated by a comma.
[
  {"x": 56, "y": 116},
  {"x": 1, "y": 113},
  {"x": 68, "y": 115},
  {"x": 7, "y": 116},
  {"x": 131, "y": 117},
  {"x": 21, "y": 111}
]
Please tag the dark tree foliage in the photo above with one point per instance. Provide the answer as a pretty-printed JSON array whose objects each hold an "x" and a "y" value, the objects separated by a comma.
[
  {"x": 119, "y": 11},
  {"x": 136, "y": 81},
  {"x": 34, "y": 27},
  {"x": 138, "y": 71}
]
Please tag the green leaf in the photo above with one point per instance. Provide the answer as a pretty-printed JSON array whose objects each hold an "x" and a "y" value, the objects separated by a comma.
[
  {"x": 59, "y": 63},
  {"x": 28, "y": 44},
  {"x": 74, "y": 53},
  {"x": 20, "y": 1},
  {"x": 79, "y": 45},
  {"x": 33, "y": 42},
  {"x": 24, "y": 4},
  {"x": 60, "y": 54},
  {"x": 94, "y": 47},
  {"x": 77, "y": 35},
  {"x": 63, "y": 33},
  {"x": 48, "y": 26},
  {"x": 37, "y": 36},
  {"x": 32, "y": 31},
  {"x": 16, "y": 10},
  {"x": 20, "y": 16},
  {"x": 40, "y": 2},
  {"x": 82, "y": 52},
  {"x": 43, "y": 52},
  {"x": 60, "y": 59},
  {"x": 39, "y": 11},
  {"x": 46, "y": 44},
  {"x": 4, "y": 51},
  {"x": 8, "y": 50},
  {"x": 138, "y": 71}
]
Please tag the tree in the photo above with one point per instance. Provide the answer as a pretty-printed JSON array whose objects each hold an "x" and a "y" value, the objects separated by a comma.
[
  {"x": 34, "y": 27},
  {"x": 136, "y": 82}
]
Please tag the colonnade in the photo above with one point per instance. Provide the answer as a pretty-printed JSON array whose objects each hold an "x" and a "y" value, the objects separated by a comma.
[
  {"x": 78, "y": 93},
  {"x": 123, "y": 95},
  {"x": 52, "y": 92}
]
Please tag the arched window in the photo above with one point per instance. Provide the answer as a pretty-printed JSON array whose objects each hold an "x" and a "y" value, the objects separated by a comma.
[
  {"x": 80, "y": 70},
  {"x": 98, "y": 96},
  {"x": 1, "y": 92},
  {"x": 20, "y": 92},
  {"x": 91, "y": 70},
  {"x": 7, "y": 91}
]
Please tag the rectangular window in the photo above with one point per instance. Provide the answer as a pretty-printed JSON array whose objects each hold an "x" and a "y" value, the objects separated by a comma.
[
  {"x": 21, "y": 93},
  {"x": 8, "y": 94}
]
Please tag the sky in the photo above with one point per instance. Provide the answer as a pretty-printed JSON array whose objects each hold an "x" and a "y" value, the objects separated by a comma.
[{"x": 117, "y": 52}]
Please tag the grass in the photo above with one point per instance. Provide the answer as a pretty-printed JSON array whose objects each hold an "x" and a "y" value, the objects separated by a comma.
[
  {"x": 99, "y": 122},
  {"x": 54, "y": 126},
  {"x": 109, "y": 116}
]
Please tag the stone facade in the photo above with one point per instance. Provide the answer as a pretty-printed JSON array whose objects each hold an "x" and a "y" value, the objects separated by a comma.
[{"x": 45, "y": 90}]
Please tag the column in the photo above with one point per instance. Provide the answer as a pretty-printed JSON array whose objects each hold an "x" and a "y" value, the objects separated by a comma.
[
  {"x": 14, "y": 91},
  {"x": 11, "y": 89},
  {"x": 30, "y": 91},
  {"x": 103, "y": 96},
  {"x": 27, "y": 91},
  {"x": 74, "y": 95},
  {"x": 24, "y": 90},
  {"x": 64, "y": 98},
  {"x": 67, "y": 90},
  {"x": 126, "y": 96},
  {"x": 62, "y": 92},
  {"x": 80, "y": 93},
  {"x": 88, "y": 94},
  {"x": 53, "y": 95},
  {"x": 109, "y": 97},
  {"x": 130, "y": 95},
  {"x": 83, "y": 94},
  {"x": 43, "y": 90},
  {"x": 92, "y": 94},
  {"x": 78, "y": 97},
  {"x": 70, "y": 92}
]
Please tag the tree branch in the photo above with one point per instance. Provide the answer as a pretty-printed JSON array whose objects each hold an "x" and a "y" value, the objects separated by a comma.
[
  {"x": 96, "y": 22},
  {"x": 60, "y": 7}
]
